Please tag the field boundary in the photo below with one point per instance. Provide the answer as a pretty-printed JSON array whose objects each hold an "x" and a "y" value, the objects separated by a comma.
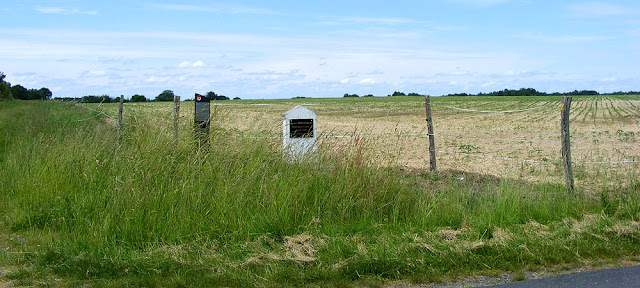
[{"x": 425, "y": 135}]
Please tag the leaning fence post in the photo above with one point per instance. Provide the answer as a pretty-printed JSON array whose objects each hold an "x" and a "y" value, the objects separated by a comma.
[
  {"x": 566, "y": 142},
  {"x": 432, "y": 142},
  {"x": 120, "y": 118},
  {"x": 176, "y": 115}
]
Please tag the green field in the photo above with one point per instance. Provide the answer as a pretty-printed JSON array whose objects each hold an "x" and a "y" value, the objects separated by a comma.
[{"x": 80, "y": 209}]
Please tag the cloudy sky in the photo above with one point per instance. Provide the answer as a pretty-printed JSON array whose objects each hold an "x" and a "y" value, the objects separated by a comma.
[{"x": 286, "y": 48}]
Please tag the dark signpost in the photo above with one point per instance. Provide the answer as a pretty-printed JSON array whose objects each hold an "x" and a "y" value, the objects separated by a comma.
[{"x": 201, "y": 123}]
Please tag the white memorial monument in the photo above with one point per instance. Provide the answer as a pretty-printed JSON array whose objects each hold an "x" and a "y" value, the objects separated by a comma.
[{"x": 299, "y": 136}]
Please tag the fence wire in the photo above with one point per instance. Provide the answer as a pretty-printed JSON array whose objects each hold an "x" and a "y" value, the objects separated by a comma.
[{"x": 423, "y": 135}]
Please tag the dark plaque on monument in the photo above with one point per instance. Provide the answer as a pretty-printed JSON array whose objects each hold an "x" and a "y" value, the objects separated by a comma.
[{"x": 301, "y": 128}]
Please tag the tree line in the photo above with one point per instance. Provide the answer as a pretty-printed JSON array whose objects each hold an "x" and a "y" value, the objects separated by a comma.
[
  {"x": 509, "y": 92},
  {"x": 395, "y": 93},
  {"x": 534, "y": 92},
  {"x": 19, "y": 92},
  {"x": 7, "y": 91},
  {"x": 164, "y": 96}
]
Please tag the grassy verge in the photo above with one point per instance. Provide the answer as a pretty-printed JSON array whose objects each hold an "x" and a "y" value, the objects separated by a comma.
[{"x": 80, "y": 209}]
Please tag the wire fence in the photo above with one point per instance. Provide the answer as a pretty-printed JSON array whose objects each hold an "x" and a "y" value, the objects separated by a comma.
[{"x": 421, "y": 134}]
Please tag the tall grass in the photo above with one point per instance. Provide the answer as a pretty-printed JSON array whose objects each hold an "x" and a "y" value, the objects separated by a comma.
[{"x": 157, "y": 211}]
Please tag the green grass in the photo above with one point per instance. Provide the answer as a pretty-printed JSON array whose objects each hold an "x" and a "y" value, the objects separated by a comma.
[{"x": 77, "y": 209}]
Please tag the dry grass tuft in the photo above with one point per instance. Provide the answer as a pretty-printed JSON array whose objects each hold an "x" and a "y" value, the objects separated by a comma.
[
  {"x": 477, "y": 245},
  {"x": 299, "y": 248},
  {"x": 419, "y": 242},
  {"x": 256, "y": 260},
  {"x": 625, "y": 229},
  {"x": 448, "y": 234},
  {"x": 501, "y": 237},
  {"x": 535, "y": 229}
]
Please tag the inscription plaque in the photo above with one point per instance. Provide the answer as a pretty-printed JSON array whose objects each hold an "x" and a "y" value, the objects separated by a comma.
[{"x": 301, "y": 128}]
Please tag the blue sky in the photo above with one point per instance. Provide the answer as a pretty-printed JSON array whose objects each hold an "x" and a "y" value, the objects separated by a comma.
[{"x": 284, "y": 49}]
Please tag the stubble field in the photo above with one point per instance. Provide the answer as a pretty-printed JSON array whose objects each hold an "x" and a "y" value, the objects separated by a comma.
[{"x": 512, "y": 137}]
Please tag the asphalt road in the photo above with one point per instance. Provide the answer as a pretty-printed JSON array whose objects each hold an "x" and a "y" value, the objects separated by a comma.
[{"x": 625, "y": 277}]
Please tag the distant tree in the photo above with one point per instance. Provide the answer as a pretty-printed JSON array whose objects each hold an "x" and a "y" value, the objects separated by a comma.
[
  {"x": 33, "y": 94},
  {"x": 97, "y": 99},
  {"x": 166, "y": 95},
  {"x": 138, "y": 98},
  {"x": 22, "y": 93},
  {"x": 625, "y": 93},
  {"x": 236, "y": 98},
  {"x": 414, "y": 94},
  {"x": 368, "y": 95},
  {"x": 346, "y": 95},
  {"x": 75, "y": 99},
  {"x": 213, "y": 96},
  {"x": 520, "y": 92},
  {"x": 397, "y": 93},
  {"x": 5, "y": 88},
  {"x": 45, "y": 93},
  {"x": 19, "y": 92},
  {"x": 583, "y": 92}
]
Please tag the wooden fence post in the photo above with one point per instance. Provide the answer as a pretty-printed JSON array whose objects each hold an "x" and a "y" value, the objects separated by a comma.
[
  {"x": 176, "y": 115},
  {"x": 566, "y": 143},
  {"x": 120, "y": 119},
  {"x": 432, "y": 142}
]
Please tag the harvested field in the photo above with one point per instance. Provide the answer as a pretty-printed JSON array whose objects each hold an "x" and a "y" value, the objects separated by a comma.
[
  {"x": 501, "y": 136},
  {"x": 514, "y": 137}
]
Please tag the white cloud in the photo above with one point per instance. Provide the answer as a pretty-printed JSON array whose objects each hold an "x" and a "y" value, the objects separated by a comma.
[
  {"x": 596, "y": 10},
  {"x": 65, "y": 11},
  {"x": 185, "y": 64},
  {"x": 345, "y": 81},
  {"x": 367, "y": 81}
]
